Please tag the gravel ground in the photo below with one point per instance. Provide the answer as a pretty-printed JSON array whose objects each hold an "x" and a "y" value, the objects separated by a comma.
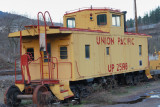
[{"x": 102, "y": 98}]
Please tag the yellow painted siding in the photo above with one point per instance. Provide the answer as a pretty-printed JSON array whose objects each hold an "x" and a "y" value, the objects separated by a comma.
[
  {"x": 64, "y": 69},
  {"x": 99, "y": 63},
  {"x": 155, "y": 64},
  {"x": 82, "y": 20}
]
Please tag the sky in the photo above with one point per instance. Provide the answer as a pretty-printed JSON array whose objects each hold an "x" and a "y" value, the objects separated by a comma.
[{"x": 57, "y": 8}]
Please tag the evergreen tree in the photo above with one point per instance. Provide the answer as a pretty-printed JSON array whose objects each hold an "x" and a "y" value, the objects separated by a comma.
[{"x": 149, "y": 18}]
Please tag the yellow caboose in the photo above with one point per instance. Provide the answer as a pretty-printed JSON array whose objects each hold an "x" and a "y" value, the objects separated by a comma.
[{"x": 93, "y": 43}]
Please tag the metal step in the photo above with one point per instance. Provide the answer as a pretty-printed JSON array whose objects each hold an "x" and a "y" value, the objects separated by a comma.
[
  {"x": 62, "y": 91},
  {"x": 68, "y": 96}
]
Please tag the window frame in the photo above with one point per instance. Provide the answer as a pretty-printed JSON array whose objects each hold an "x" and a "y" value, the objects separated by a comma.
[
  {"x": 140, "y": 50},
  {"x": 63, "y": 51},
  {"x": 116, "y": 16},
  {"x": 99, "y": 18},
  {"x": 87, "y": 55},
  {"x": 140, "y": 63},
  {"x": 107, "y": 51},
  {"x": 70, "y": 18}
]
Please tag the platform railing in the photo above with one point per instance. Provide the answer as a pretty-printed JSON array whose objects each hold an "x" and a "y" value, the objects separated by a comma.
[
  {"x": 22, "y": 75},
  {"x": 90, "y": 8},
  {"x": 53, "y": 65}
]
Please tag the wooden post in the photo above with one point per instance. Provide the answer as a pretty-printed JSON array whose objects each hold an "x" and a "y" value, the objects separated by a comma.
[{"x": 136, "y": 23}]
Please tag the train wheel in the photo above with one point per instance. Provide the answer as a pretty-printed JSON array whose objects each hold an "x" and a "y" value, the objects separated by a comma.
[
  {"x": 77, "y": 94},
  {"x": 10, "y": 97},
  {"x": 110, "y": 83},
  {"x": 41, "y": 96},
  {"x": 136, "y": 79}
]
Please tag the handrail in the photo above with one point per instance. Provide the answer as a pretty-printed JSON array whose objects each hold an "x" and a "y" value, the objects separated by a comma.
[
  {"x": 38, "y": 21},
  {"x": 46, "y": 37},
  {"x": 51, "y": 62},
  {"x": 71, "y": 66},
  {"x": 16, "y": 71},
  {"x": 49, "y": 17},
  {"x": 93, "y": 8},
  {"x": 57, "y": 64},
  {"x": 39, "y": 37}
]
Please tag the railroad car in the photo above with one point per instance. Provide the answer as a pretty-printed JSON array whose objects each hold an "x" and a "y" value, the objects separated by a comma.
[
  {"x": 92, "y": 45},
  {"x": 155, "y": 64}
]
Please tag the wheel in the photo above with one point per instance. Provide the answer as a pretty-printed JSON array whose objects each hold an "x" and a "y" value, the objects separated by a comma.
[
  {"x": 136, "y": 79},
  {"x": 10, "y": 97},
  {"x": 41, "y": 96},
  {"x": 109, "y": 83},
  {"x": 77, "y": 94}
]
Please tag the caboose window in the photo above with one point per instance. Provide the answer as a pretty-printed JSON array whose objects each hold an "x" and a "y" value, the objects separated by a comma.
[
  {"x": 49, "y": 52},
  {"x": 63, "y": 52},
  {"x": 101, "y": 19},
  {"x": 107, "y": 50},
  {"x": 116, "y": 20},
  {"x": 140, "y": 50},
  {"x": 30, "y": 52},
  {"x": 71, "y": 22},
  {"x": 87, "y": 51}
]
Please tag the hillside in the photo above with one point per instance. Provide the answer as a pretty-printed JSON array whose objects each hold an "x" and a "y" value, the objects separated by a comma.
[
  {"x": 3, "y": 14},
  {"x": 153, "y": 30},
  {"x": 10, "y": 46}
]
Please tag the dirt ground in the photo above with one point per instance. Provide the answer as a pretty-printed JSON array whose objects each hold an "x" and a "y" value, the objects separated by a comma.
[
  {"x": 122, "y": 96},
  {"x": 128, "y": 96}
]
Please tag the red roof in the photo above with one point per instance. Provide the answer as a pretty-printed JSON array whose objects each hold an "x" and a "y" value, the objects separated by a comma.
[
  {"x": 78, "y": 29},
  {"x": 141, "y": 34},
  {"x": 93, "y": 9}
]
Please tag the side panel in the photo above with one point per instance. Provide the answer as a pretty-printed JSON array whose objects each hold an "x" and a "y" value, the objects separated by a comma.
[{"x": 123, "y": 54}]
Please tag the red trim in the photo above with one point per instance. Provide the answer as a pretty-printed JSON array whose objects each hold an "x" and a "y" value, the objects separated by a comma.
[
  {"x": 49, "y": 17},
  {"x": 45, "y": 81},
  {"x": 77, "y": 69},
  {"x": 140, "y": 34},
  {"x": 19, "y": 81},
  {"x": 68, "y": 29},
  {"x": 93, "y": 9},
  {"x": 61, "y": 85},
  {"x": 51, "y": 82},
  {"x": 57, "y": 64},
  {"x": 35, "y": 26},
  {"x": 62, "y": 91},
  {"x": 54, "y": 27},
  {"x": 79, "y": 29}
]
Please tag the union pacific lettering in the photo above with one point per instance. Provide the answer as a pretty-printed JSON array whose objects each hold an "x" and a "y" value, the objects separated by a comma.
[
  {"x": 125, "y": 41},
  {"x": 105, "y": 40},
  {"x": 111, "y": 40}
]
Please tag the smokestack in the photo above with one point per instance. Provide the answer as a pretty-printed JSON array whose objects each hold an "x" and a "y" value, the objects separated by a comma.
[{"x": 125, "y": 27}]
